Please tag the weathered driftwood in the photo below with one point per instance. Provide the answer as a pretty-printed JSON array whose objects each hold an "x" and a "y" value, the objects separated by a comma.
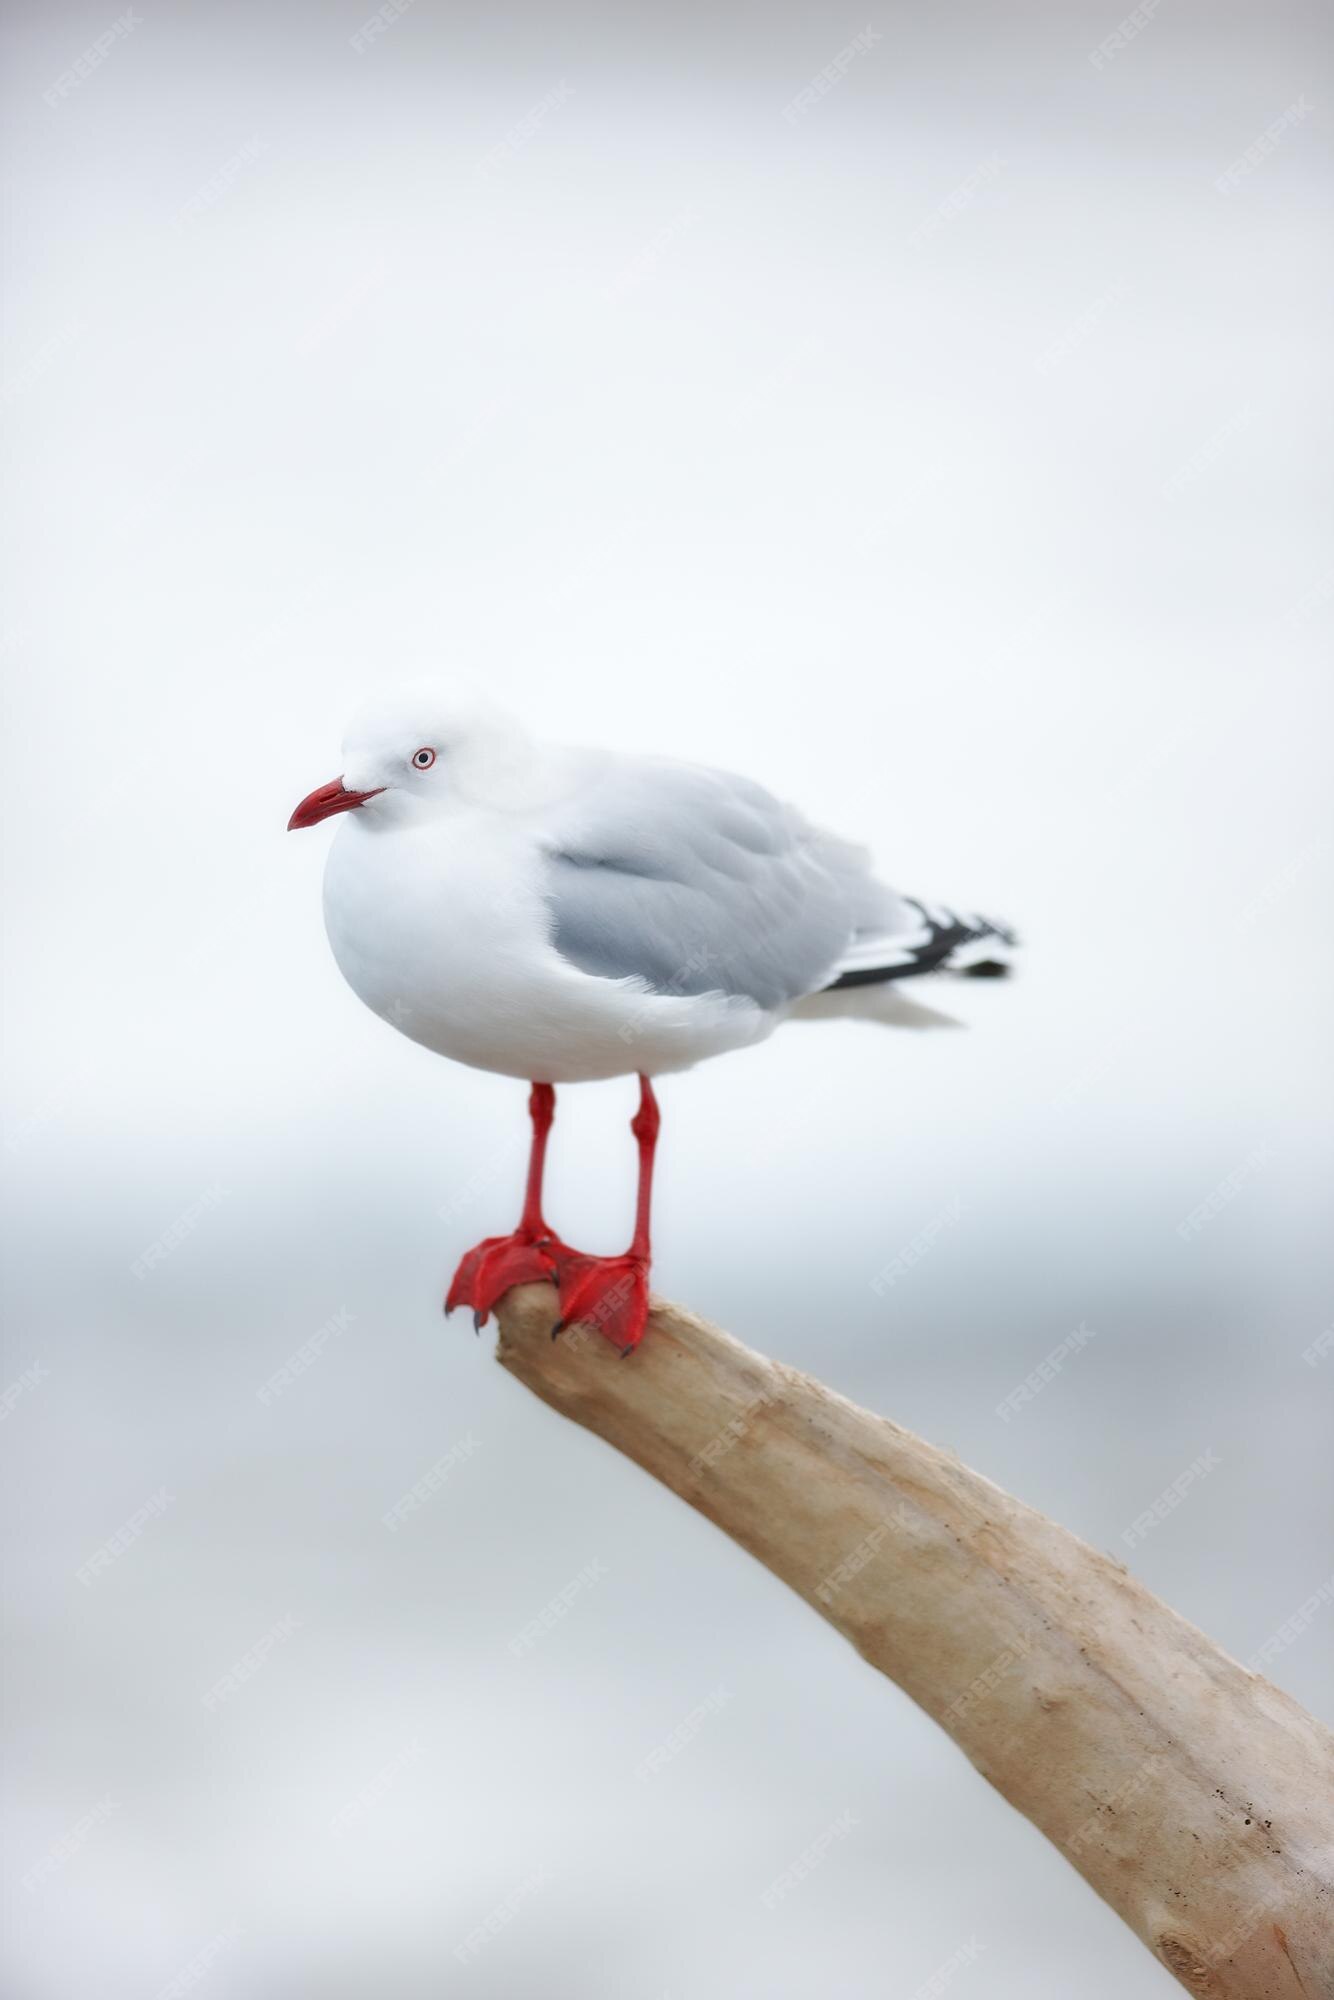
[{"x": 1194, "y": 1797}]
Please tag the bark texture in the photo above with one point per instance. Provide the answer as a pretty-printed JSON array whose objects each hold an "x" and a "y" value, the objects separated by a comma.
[{"x": 1195, "y": 1797}]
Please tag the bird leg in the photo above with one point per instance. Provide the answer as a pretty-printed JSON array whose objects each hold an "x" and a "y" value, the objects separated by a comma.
[
  {"x": 610, "y": 1294},
  {"x": 527, "y": 1257}
]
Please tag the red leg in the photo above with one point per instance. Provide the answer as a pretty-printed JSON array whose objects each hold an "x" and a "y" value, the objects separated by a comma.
[
  {"x": 528, "y": 1256},
  {"x": 611, "y": 1293}
]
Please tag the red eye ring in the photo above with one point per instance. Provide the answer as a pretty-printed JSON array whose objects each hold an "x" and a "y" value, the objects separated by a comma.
[{"x": 423, "y": 759}]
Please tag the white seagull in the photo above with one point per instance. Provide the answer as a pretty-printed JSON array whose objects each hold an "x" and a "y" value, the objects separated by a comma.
[{"x": 563, "y": 915}]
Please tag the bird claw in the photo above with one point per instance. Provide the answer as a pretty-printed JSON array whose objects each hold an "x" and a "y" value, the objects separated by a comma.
[
  {"x": 607, "y": 1294},
  {"x": 492, "y": 1268}
]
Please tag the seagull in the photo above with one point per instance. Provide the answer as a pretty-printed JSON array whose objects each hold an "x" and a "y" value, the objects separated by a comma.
[{"x": 566, "y": 915}]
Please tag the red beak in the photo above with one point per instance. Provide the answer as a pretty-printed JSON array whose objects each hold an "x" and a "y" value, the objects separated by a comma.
[{"x": 327, "y": 801}]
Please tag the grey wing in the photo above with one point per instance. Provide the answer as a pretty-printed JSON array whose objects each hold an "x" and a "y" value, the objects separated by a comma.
[{"x": 699, "y": 882}]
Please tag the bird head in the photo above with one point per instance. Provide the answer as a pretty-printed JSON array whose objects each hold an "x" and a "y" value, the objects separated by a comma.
[{"x": 417, "y": 755}]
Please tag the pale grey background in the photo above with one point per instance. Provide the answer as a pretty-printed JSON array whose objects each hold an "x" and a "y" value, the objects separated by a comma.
[{"x": 995, "y": 531}]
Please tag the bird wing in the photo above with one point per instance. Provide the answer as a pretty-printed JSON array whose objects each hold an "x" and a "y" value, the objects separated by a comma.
[
  {"x": 934, "y": 939},
  {"x": 696, "y": 881}
]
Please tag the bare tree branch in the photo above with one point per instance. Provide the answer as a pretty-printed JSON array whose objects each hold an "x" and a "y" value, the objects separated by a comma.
[{"x": 1192, "y": 1795}]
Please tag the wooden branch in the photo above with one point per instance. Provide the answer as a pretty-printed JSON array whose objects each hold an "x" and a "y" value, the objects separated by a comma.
[{"x": 1194, "y": 1797}]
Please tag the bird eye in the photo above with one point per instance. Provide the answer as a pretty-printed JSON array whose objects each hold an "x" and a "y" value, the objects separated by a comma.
[{"x": 423, "y": 759}]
